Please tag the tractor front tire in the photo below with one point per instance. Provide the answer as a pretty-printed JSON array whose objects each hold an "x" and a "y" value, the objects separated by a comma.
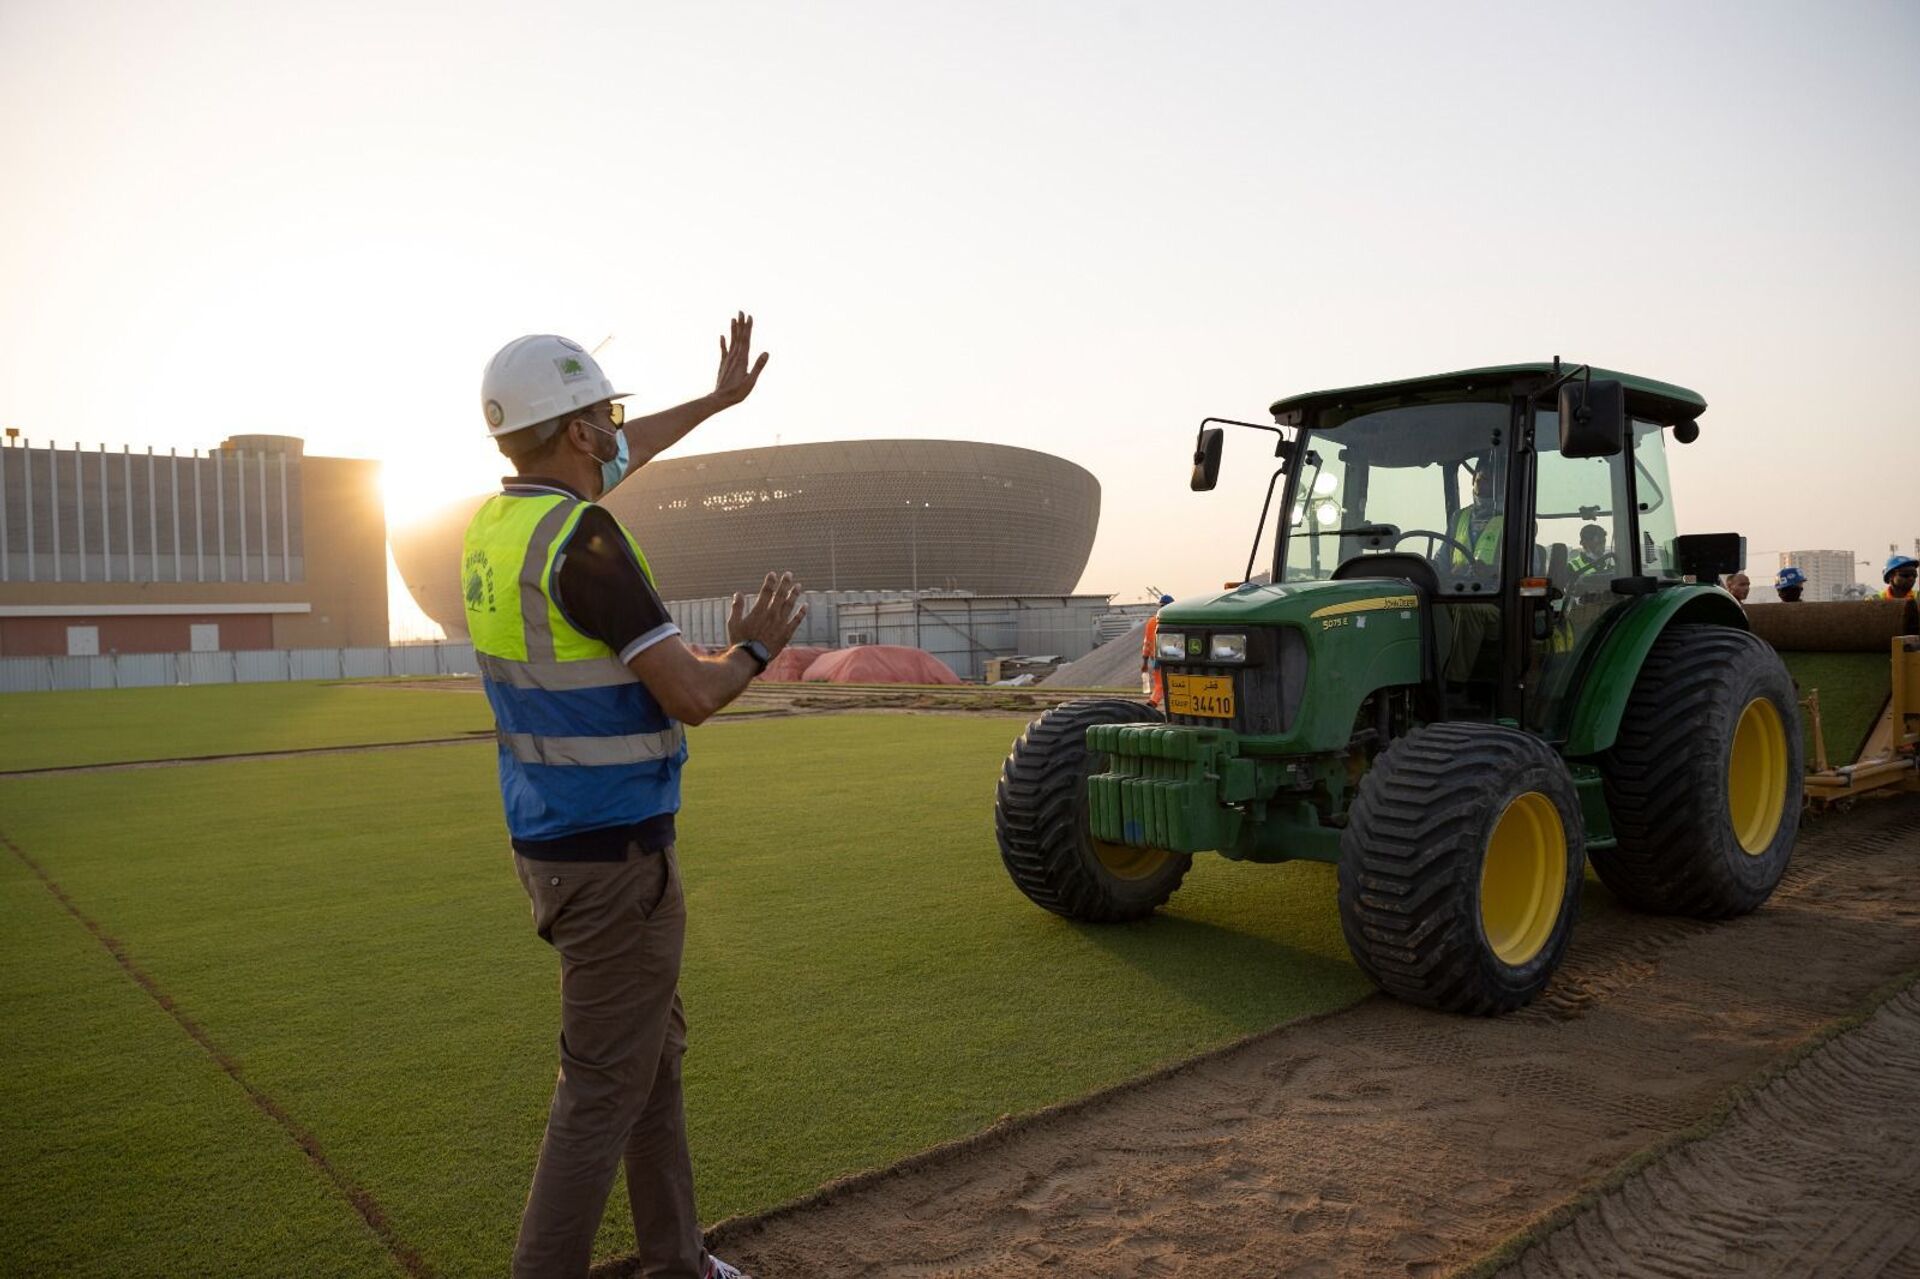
[
  {"x": 1703, "y": 781},
  {"x": 1460, "y": 867},
  {"x": 1040, "y": 817}
]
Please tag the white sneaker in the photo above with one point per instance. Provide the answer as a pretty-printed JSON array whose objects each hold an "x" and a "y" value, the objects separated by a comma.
[{"x": 718, "y": 1269}]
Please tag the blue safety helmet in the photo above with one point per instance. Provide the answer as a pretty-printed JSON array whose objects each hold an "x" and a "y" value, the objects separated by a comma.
[
  {"x": 1789, "y": 577},
  {"x": 1165, "y": 600},
  {"x": 1895, "y": 563}
]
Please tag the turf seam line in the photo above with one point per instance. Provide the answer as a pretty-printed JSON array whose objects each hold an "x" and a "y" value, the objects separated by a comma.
[
  {"x": 478, "y": 735},
  {"x": 371, "y": 1213}
]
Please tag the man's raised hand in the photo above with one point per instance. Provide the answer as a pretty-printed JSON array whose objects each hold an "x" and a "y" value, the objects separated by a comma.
[{"x": 735, "y": 381}]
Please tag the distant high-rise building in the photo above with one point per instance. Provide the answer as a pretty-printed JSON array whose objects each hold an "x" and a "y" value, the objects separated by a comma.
[{"x": 1829, "y": 573}]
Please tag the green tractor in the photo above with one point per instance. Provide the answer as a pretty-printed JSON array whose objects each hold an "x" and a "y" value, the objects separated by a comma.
[{"x": 1483, "y": 657}]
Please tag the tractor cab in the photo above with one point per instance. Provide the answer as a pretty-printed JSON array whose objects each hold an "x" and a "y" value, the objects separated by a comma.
[{"x": 1519, "y": 504}]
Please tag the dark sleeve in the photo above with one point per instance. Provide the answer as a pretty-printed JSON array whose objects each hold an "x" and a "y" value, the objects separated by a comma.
[{"x": 601, "y": 590}]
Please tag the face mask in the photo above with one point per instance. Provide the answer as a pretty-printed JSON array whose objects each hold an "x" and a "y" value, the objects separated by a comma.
[{"x": 614, "y": 469}]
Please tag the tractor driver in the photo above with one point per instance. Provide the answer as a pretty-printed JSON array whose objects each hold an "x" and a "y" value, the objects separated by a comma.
[
  {"x": 1593, "y": 555},
  {"x": 1476, "y": 529},
  {"x": 1474, "y": 551}
]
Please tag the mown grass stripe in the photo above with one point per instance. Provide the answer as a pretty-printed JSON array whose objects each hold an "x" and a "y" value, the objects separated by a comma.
[{"x": 369, "y": 1209}]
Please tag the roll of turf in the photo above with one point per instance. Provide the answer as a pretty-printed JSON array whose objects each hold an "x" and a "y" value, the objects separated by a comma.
[{"x": 1842, "y": 626}]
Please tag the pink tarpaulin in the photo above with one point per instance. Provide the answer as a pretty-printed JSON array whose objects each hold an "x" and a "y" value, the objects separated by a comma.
[
  {"x": 789, "y": 666},
  {"x": 880, "y": 664}
]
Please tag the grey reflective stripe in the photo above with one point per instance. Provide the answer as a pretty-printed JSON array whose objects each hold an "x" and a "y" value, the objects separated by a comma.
[
  {"x": 594, "y": 672},
  {"x": 533, "y": 591},
  {"x": 640, "y": 748}
]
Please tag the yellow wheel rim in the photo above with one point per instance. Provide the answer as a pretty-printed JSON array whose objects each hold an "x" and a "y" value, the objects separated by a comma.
[
  {"x": 1523, "y": 878},
  {"x": 1126, "y": 862},
  {"x": 1757, "y": 776}
]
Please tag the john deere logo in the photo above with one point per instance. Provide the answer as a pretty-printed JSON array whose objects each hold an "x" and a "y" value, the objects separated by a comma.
[
  {"x": 495, "y": 414},
  {"x": 1193, "y": 646}
]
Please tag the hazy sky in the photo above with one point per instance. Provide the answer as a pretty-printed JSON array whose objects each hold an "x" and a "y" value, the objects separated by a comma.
[{"x": 1078, "y": 228}]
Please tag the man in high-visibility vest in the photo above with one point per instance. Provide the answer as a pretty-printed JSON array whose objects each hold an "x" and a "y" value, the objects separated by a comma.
[
  {"x": 1593, "y": 555},
  {"x": 590, "y": 685},
  {"x": 1153, "y": 680},
  {"x": 1898, "y": 576},
  {"x": 1476, "y": 532},
  {"x": 1476, "y": 528}
]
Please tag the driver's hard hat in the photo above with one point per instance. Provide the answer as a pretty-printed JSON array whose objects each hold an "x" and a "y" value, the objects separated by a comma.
[
  {"x": 1165, "y": 600},
  {"x": 1790, "y": 576},
  {"x": 1895, "y": 563},
  {"x": 537, "y": 377}
]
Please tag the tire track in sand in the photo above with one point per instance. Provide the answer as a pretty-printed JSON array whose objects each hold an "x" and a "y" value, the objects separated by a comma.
[{"x": 1815, "y": 1173}]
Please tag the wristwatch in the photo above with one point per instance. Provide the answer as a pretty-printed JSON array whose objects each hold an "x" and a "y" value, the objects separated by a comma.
[{"x": 758, "y": 652}]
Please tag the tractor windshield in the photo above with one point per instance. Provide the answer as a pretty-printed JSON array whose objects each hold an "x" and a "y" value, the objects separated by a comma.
[{"x": 1422, "y": 479}]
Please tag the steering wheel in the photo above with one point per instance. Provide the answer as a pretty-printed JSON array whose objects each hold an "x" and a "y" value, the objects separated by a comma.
[{"x": 1435, "y": 540}]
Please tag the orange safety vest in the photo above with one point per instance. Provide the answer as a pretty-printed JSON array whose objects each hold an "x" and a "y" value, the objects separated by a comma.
[{"x": 1156, "y": 685}]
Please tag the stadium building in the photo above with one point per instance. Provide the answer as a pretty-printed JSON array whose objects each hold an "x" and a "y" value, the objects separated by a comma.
[
  {"x": 252, "y": 546},
  {"x": 866, "y": 518}
]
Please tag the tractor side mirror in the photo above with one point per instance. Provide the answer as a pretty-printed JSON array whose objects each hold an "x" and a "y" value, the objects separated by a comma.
[
  {"x": 1206, "y": 459},
  {"x": 1593, "y": 419}
]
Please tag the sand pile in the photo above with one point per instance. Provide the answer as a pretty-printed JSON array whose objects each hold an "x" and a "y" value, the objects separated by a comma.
[{"x": 1115, "y": 664}]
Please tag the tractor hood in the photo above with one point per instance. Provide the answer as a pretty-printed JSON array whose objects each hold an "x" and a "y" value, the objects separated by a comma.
[
  {"x": 1304, "y": 604},
  {"x": 1314, "y": 652}
]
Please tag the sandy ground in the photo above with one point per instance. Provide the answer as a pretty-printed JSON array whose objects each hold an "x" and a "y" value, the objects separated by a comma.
[
  {"x": 1386, "y": 1141},
  {"x": 1815, "y": 1173}
]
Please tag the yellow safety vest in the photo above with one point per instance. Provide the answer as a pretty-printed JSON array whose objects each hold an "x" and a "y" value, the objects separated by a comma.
[
  {"x": 583, "y": 745},
  {"x": 1486, "y": 549}
]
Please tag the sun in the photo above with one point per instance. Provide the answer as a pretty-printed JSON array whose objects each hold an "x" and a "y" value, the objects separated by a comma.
[{"x": 416, "y": 484}]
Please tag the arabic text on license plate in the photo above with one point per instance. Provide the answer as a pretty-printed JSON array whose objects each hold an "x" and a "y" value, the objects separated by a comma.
[{"x": 1208, "y": 695}]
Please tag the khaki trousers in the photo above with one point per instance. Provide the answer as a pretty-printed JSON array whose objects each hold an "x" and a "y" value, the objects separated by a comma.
[{"x": 619, "y": 928}]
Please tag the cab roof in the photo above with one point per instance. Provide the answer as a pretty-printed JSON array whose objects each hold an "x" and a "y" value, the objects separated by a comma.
[{"x": 1662, "y": 402}]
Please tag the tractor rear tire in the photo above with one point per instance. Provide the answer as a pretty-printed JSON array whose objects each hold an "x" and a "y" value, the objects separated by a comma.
[
  {"x": 1040, "y": 817},
  {"x": 1460, "y": 867},
  {"x": 1703, "y": 781}
]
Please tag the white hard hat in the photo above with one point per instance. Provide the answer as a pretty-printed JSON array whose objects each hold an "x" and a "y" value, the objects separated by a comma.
[{"x": 537, "y": 377}]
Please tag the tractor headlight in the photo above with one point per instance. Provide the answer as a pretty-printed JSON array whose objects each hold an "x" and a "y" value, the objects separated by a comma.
[
  {"x": 1172, "y": 646},
  {"x": 1229, "y": 648}
]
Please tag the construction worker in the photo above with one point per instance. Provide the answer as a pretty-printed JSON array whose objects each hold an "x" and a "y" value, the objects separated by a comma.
[
  {"x": 1790, "y": 582},
  {"x": 1152, "y": 682},
  {"x": 1476, "y": 528},
  {"x": 590, "y": 685},
  {"x": 1898, "y": 576},
  {"x": 1593, "y": 555},
  {"x": 1738, "y": 585},
  {"x": 1476, "y": 545}
]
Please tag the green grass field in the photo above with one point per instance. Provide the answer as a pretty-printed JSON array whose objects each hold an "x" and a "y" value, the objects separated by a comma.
[
  {"x": 103, "y": 726},
  {"x": 861, "y": 977}
]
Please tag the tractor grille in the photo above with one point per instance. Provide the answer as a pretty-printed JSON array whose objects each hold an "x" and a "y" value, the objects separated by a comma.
[{"x": 1267, "y": 690}]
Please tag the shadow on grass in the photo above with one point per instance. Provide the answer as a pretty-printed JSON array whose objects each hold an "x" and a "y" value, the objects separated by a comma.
[{"x": 1228, "y": 971}]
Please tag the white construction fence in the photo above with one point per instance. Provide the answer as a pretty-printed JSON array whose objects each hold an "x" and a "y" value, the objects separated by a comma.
[{"x": 152, "y": 670}]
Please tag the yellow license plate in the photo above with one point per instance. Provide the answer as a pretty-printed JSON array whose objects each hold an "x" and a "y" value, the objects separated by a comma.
[{"x": 1207, "y": 695}]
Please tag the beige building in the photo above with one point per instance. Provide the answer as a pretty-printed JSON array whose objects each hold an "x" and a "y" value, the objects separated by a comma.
[
  {"x": 1829, "y": 573},
  {"x": 251, "y": 546}
]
